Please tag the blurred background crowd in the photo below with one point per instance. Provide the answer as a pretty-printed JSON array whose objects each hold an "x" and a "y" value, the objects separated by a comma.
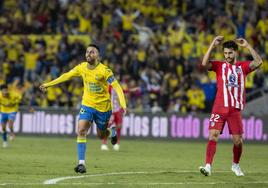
[{"x": 154, "y": 47}]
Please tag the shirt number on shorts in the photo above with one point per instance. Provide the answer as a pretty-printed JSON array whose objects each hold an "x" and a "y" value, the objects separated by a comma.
[{"x": 214, "y": 117}]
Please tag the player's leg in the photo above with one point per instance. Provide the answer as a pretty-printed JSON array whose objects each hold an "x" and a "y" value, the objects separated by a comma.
[
  {"x": 210, "y": 151},
  {"x": 104, "y": 146},
  {"x": 215, "y": 128},
  {"x": 102, "y": 120},
  {"x": 118, "y": 118},
  {"x": 84, "y": 123},
  {"x": 11, "y": 120},
  {"x": 83, "y": 126},
  {"x": 237, "y": 152},
  {"x": 236, "y": 129},
  {"x": 4, "y": 119}
]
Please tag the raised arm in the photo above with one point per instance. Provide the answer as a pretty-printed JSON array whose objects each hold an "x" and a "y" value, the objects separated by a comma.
[
  {"x": 216, "y": 41},
  {"x": 256, "y": 63},
  {"x": 119, "y": 12}
]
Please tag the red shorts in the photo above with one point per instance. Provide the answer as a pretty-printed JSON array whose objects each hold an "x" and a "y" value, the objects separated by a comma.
[
  {"x": 116, "y": 118},
  {"x": 233, "y": 117}
]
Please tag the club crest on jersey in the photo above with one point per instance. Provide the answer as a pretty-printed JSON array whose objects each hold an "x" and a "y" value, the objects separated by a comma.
[
  {"x": 238, "y": 70},
  {"x": 98, "y": 77}
]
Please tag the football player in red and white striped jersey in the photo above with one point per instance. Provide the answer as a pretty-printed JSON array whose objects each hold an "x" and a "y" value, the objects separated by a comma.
[
  {"x": 115, "y": 120},
  {"x": 230, "y": 97}
]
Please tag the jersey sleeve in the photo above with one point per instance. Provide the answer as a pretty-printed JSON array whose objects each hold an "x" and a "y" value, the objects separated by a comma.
[
  {"x": 245, "y": 67},
  {"x": 214, "y": 65},
  {"x": 66, "y": 76},
  {"x": 75, "y": 71},
  {"x": 109, "y": 76}
]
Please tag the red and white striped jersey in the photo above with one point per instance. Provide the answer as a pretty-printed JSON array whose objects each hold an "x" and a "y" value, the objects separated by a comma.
[
  {"x": 231, "y": 83},
  {"x": 114, "y": 99}
]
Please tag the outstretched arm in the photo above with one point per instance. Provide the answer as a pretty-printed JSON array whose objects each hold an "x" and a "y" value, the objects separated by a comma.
[
  {"x": 64, "y": 77},
  {"x": 256, "y": 63},
  {"x": 216, "y": 41}
]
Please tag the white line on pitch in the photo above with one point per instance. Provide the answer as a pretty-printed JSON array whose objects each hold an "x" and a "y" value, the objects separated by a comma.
[
  {"x": 56, "y": 180},
  {"x": 149, "y": 183}
]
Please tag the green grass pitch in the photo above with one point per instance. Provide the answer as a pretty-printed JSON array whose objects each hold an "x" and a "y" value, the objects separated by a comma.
[{"x": 29, "y": 161}]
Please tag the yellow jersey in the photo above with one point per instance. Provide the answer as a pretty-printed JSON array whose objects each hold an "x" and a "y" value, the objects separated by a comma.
[
  {"x": 11, "y": 103},
  {"x": 96, "y": 94}
]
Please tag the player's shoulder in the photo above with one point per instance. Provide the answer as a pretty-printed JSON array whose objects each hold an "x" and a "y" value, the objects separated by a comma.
[
  {"x": 105, "y": 67},
  {"x": 80, "y": 66},
  {"x": 238, "y": 63},
  {"x": 217, "y": 61}
]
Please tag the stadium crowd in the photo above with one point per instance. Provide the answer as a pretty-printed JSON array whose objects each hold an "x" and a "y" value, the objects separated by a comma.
[{"x": 154, "y": 47}]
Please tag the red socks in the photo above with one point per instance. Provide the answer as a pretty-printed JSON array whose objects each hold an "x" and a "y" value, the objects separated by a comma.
[
  {"x": 211, "y": 150},
  {"x": 237, "y": 151},
  {"x": 104, "y": 141}
]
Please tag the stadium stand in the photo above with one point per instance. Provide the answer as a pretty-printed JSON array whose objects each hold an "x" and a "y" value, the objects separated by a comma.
[{"x": 154, "y": 46}]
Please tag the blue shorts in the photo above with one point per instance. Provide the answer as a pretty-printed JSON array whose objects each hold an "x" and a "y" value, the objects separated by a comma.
[
  {"x": 8, "y": 116},
  {"x": 100, "y": 118}
]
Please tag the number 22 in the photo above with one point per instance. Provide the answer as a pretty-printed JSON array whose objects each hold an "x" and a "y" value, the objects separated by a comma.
[{"x": 214, "y": 117}]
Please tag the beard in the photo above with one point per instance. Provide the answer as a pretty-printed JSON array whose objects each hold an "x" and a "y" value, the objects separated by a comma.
[
  {"x": 91, "y": 60},
  {"x": 230, "y": 60}
]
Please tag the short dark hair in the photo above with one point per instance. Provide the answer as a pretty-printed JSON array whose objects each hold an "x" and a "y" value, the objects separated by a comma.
[
  {"x": 95, "y": 46},
  {"x": 4, "y": 86},
  {"x": 230, "y": 44}
]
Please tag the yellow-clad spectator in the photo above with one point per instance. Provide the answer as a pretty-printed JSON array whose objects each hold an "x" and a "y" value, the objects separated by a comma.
[
  {"x": 176, "y": 33},
  {"x": 127, "y": 19},
  {"x": 84, "y": 23},
  {"x": 52, "y": 95},
  {"x": 262, "y": 25},
  {"x": 250, "y": 81},
  {"x": 30, "y": 60},
  {"x": 13, "y": 52},
  {"x": 141, "y": 55},
  {"x": 196, "y": 98}
]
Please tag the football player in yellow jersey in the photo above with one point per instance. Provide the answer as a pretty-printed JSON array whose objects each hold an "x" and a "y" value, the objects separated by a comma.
[
  {"x": 9, "y": 102},
  {"x": 96, "y": 103}
]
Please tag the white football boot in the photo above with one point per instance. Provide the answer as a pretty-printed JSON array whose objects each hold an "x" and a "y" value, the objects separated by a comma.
[
  {"x": 116, "y": 147},
  {"x": 237, "y": 170},
  {"x": 104, "y": 147},
  {"x": 4, "y": 144},
  {"x": 205, "y": 170}
]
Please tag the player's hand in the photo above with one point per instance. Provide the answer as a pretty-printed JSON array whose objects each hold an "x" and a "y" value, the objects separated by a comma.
[
  {"x": 217, "y": 40},
  {"x": 125, "y": 111},
  {"x": 241, "y": 42},
  {"x": 43, "y": 87}
]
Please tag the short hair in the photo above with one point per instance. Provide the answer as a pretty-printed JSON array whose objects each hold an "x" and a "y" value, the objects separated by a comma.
[
  {"x": 95, "y": 46},
  {"x": 4, "y": 86},
  {"x": 230, "y": 44}
]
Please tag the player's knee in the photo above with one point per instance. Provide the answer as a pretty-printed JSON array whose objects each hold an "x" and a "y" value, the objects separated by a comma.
[
  {"x": 214, "y": 136},
  {"x": 82, "y": 132},
  {"x": 238, "y": 142},
  {"x": 102, "y": 134}
]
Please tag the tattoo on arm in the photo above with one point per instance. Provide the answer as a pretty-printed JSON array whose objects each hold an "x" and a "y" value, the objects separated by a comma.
[{"x": 257, "y": 59}]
